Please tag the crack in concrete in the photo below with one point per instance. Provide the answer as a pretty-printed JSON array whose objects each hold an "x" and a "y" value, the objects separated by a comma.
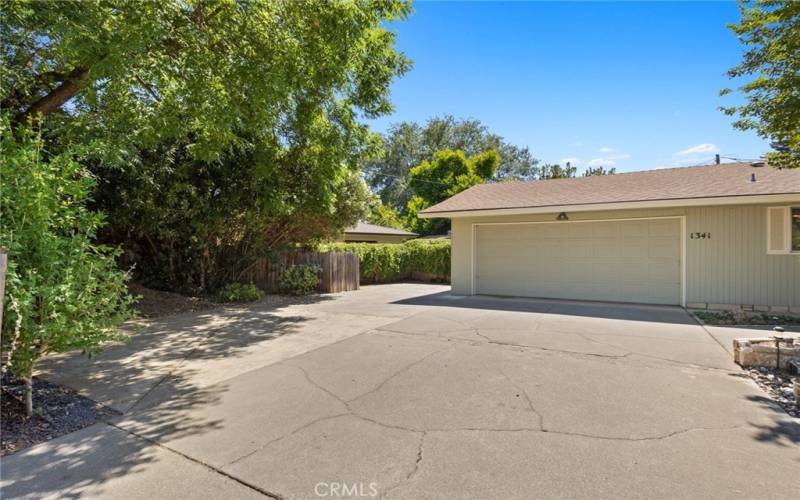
[
  {"x": 628, "y": 353},
  {"x": 541, "y": 427},
  {"x": 527, "y": 398},
  {"x": 590, "y": 436},
  {"x": 287, "y": 435},
  {"x": 257, "y": 489},
  {"x": 206, "y": 337},
  {"x": 400, "y": 372},
  {"x": 413, "y": 471},
  {"x": 650, "y": 438},
  {"x": 550, "y": 349}
]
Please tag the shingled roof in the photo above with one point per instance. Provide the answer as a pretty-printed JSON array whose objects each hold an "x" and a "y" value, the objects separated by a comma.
[
  {"x": 678, "y": 184},
  {"x": 365, "y": 228}
]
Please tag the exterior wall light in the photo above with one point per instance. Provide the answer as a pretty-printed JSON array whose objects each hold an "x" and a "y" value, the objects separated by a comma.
[{"x": 562, "y": 216}]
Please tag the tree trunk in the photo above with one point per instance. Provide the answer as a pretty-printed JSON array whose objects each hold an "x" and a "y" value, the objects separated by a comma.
[{"x": 29, "y": 396}]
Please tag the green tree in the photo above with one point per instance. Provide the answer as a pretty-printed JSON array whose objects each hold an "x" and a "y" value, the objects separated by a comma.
[
  {"x": 218, "y": 130},
  {"x": 449, "y": 173},
  {"x": 556, "y": 171},
  {"x": 599, "y": 171},
  {"x": 138, "y": 73},
  {"x": 770, "y": 33},
  {"x": 384, "y": 215},
  {"x": 408, "y": 144},
  {"x": 63, "y": 291},
  {"x": 193, "y": 225}
]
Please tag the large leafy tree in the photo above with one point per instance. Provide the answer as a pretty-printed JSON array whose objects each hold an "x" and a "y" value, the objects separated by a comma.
[
  {"x": 408, "y": 144},
  {"x": 770, "y": 33},
  {"x": 194, "y": 225},
  {"x": 218, "y": 130},
  {"x": 449, "y": 173},
  {"x": 137, "y": 73}
]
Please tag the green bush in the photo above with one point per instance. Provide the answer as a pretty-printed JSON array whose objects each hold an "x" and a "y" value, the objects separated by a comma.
[
  {"x": 63, "y": 291},
  {"x": 239, "y": 292},
  {"x": 300, "y": 279},
  {"x": 387, "y": 262}
]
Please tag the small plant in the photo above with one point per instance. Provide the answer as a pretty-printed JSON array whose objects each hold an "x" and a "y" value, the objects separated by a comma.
[
  {"x": 300, "y": 279},
  {"x": 239, "y": 292},
  {"x": 728, "y": 318}
]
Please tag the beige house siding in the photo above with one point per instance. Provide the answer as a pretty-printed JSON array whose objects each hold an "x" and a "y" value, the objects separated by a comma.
[{"x": 731, "y": 267}]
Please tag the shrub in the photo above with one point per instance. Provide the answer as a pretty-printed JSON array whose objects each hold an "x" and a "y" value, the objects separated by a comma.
[
  {"x": 300, "y": 279},
  {"x": 387, "y": 262},
  {"x": 239, "y": 292},
  {"x": 63, "y": 291}
]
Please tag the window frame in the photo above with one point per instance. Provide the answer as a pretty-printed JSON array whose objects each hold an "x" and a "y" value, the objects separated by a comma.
[
  {"x": 787, "y": 230},
  {"x": 791, "y": 227}
]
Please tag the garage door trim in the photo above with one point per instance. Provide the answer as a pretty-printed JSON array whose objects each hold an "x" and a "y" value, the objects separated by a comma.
[{"x": 682, "y": 219}]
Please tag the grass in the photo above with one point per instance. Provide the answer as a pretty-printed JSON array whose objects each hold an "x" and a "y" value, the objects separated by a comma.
[{"x": 723, "y": 318}]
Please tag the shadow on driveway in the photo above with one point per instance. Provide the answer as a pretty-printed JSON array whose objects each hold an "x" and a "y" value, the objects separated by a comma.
[
  {"x": 149, "y": 373},
  {"x": 588, "y": 309}
]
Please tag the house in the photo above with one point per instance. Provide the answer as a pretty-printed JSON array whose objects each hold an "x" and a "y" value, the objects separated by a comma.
[
  {"x": 713, "y": 236},
  {"x": 371, "y": 233}
]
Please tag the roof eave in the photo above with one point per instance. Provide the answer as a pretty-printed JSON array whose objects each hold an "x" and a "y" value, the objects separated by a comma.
[
  {"x": 623, "y": 205},
  {"x": 380, "y": 234}
]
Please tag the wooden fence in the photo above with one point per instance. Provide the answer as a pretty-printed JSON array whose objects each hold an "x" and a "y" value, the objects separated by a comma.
[{"x": 340, "y": 271}]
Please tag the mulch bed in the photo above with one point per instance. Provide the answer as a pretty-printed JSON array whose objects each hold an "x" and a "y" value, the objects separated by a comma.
[
  {"x": 779, "y": 385},
  {"x": 58, "y": 410}
]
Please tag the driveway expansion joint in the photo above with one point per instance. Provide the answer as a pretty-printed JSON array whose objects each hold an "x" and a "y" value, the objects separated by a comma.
[{"x": 257, "y": 489}]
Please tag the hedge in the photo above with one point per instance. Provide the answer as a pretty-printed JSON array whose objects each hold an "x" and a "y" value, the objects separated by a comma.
[{"x": 387, "y": 262}]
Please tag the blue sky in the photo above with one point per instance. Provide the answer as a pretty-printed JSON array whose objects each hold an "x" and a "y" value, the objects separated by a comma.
[{"x": 629, "y": 85}]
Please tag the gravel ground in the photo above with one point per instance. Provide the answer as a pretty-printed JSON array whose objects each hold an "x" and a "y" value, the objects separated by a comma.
[
  {"x": 57, "y": 411},
  {"x": 779, "y": 385}
]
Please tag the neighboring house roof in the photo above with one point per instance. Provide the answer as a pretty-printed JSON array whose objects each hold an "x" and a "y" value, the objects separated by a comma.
[
  {"x": 662, "y": 187},
  {"x": 364, "y": 228}
]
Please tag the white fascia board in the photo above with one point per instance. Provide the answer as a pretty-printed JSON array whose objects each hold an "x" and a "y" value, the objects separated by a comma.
[{"x": 627, "y": 205}]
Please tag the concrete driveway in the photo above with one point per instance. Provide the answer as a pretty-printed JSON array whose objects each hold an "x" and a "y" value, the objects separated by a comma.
[{"x": 405, "y": 392}]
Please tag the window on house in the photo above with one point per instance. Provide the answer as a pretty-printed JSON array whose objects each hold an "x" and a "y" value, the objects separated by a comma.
[{"x": 783, "y": 230}]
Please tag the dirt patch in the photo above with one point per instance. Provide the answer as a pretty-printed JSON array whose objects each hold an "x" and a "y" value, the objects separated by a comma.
[
  {"x": 155, "y": 303},
  {"x": 58, "y": 410}
]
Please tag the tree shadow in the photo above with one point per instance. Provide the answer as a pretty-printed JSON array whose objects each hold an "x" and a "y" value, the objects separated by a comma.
[
  {"x": 147, "y": 374},
  {"x": 785, "y": 431},
  {"x": 588, "y": 309}
]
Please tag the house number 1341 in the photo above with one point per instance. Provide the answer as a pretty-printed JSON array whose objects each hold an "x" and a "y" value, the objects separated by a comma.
[{"x": 700, "y": 236}]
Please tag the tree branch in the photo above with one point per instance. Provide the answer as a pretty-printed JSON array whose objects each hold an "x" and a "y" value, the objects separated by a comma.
[{"x": 56, "y": 98}]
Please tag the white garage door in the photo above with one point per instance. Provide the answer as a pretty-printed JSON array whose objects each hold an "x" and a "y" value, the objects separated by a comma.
[{"x": 625, "y": 261}]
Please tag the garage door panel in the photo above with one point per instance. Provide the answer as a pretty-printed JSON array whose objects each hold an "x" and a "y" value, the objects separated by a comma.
[
  {"x": 634, "y": 261},
  {"x": 664, "y": 249}
]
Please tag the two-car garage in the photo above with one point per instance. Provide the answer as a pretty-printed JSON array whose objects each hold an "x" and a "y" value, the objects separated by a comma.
[
  {"x": 610, "y": 260},
  {"x": 707, "y": 237}
]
